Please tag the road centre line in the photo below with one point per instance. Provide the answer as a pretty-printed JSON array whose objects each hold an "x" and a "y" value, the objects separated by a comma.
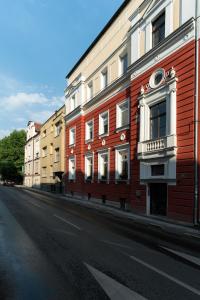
[
  {"x": 35, "y": 204},
  {"x": 162, "y": 273},
  {"x": 67, "y": 222},
  {"x": 117, "y": 244}
]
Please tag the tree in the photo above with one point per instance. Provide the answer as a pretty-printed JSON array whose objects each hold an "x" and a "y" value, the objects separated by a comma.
[{"x": 12, "y": 155}]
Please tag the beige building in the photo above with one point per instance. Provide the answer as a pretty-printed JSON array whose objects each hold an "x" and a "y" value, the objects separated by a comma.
[
  {"x": 32, "y": 155},
  {"x": 52, "y": 152}
]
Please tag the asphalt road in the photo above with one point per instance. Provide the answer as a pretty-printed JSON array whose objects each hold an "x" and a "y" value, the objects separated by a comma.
[{"x": 51, "y": 249}]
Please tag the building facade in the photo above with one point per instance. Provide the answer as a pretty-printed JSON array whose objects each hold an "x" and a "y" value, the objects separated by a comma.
[
  {"x": 132, "y": 112},
  {"x": 52, "y": 152},
  {"x": 32, "y": 155}
]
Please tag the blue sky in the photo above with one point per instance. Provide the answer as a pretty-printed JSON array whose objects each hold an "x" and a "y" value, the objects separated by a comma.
[{"x": 41, "y": 40}]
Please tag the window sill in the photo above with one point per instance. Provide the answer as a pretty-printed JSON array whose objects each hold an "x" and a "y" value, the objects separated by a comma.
[
  {"x": 102, "y": 135},
  {"x": 89, "y": 181},
  {"x": 125, "y": 127},
  {"x": 89, "y": 141},
  {"x": 105, "y": 181},
  {"x": 72, "y": 145},
  {"x": 122, "y": 181}
]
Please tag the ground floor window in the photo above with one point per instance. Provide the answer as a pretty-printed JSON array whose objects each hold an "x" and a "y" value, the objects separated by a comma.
[
  {"x": 89, "y": 167},
  {"x": 72, "y": 168},
  {"x": 103, "y": 166},
  {"x": 122, "y": 163}
]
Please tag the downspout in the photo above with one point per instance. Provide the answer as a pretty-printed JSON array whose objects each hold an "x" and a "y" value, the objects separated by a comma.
[{"x": 196, "y": 191}]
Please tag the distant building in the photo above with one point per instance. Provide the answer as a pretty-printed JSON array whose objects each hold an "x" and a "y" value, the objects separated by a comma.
[
  {"x": 52, "y": 143},
  {"x": 132, "y": 112},
  {"x": 32, "y": 155}
]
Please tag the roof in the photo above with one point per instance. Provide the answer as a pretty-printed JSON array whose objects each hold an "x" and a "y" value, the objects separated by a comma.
[{"x": 110, "y": 22}]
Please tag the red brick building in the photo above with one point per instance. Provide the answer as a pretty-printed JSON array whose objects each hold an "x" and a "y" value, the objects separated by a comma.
[{"x": 132, "y": 115}]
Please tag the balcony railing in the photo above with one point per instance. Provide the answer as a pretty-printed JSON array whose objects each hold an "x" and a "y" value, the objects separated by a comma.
[
  {"x": 156, "y": 144},
  {"x": 164, "y": 146}
]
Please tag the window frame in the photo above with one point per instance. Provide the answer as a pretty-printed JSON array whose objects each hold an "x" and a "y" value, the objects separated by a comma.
[
  {"x": 73, "y": 98},
  {"x": 100, "y": 154},
  {"x": 101, "y": 126},
  {"x": 57, "y": 155},
  {"x": 87, "y": 140},
  {"x": 87, "y": 157},
  {"x": 104, "y": 74},
  {"x": 118, "y": 149},
  {"x": 119, "y": 126},
  {"x": 90, "y": 90},
  {"x": 158, "y": 117},
  {"x": 57, "y": 128},
  {"x": 121, "y": 60},
  {"x": 71, "y": 176},
  {"x": 163, "y": 12},
  {"x": 70, "y": 132}
]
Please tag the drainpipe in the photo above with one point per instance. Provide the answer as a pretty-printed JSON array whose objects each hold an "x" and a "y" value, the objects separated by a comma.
[{"x": 196, "y": 192}]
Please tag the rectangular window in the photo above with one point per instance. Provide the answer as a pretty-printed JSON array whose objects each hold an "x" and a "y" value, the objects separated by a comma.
[
  {"x": 90, "y": 90},
  {"x": 157, "y": 170},
  {"x": 123, "y": 114},
  {"x": 57, "y": 154},
  {"x": 103, "y": 166},
  {"x": 124, "y": 63},
  {"x": 158, "y": 30},
  {"x": 51, "y": 148},
  {"x": 104, "y": 78},
  {"x": 88, "y": 167},
  {"x": 44, "y": 171},
  {"x": 103, "y": 123},
  {"x": 44, "y": 151},
  {"x": 44, "y": 133},
  {"x": 73, "y": 102},
  {"x": 89, "y": 130},
  {"x": 36, "y": 167},
  {"x": 158, "y": 120},
  {"x": 122, "y": 164},
  {"x": 72, "y": 168},
  {"x": 72, "y": 133},
  {"x": 57, "y": 128},
  {"x": 51, "y": 171}
]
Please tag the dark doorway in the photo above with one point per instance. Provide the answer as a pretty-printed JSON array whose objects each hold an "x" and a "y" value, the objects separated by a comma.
[{"x": 158, "y": 198}]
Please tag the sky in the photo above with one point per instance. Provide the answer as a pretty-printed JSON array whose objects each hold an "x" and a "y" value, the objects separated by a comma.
[{"x": 40, "y": 41}]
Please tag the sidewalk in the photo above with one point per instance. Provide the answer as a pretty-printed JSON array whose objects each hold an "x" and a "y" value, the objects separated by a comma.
[{"x": 178, "y": 232}]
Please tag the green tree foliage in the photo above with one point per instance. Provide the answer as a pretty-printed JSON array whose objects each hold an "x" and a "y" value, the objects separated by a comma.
[{"x": 12, "y": 154}]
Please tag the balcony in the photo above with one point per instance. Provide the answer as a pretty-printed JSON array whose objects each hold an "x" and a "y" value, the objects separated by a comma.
[{"x": 162, "y": 147}]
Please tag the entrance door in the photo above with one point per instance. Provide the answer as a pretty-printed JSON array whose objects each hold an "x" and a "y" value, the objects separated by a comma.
[{"x": 158, "y": 198}]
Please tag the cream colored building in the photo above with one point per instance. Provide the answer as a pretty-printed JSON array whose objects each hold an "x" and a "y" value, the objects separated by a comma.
[
  {"x": 123, "y": 41},
  {"x": 32, "y": 156},
  {"x": 52, "y": 147}
]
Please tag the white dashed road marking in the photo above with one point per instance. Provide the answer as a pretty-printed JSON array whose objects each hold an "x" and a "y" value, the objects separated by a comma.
[
  {"x": 67, "y": 222},
  {"x": 162, "y": 273}
]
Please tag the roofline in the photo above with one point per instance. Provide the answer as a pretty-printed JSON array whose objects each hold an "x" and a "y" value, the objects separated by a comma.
[
  {"x": 110, "y": 22},
  {"x": 56, "y": 111}
]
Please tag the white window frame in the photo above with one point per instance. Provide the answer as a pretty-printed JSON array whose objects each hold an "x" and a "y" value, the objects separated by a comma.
[
  {"x": 121, "y": 58},
  {"x": 72, "y": 175},
  {"x": 72, "y": 142},
  {"x": 118, "y": 149},
  {"x": 90, "y": 90},
  {"x": 57, "y": 155},
  {"x": 73, "y": 102},
  {"x": 118, "y": 117},
  {"x": 100, "y": 155},
  {"x": 58, "y": 128},
  {"x": 101, "y": 133},
  {"x": 87, "y": 139},
  {"x": 44, "y": 151},
  {"x": 87, "y": 156},
  {"x": 104, "y": 74}
]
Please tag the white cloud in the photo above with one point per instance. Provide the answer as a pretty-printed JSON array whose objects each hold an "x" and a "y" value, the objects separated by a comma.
[{"x": 21, "y": 100}]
